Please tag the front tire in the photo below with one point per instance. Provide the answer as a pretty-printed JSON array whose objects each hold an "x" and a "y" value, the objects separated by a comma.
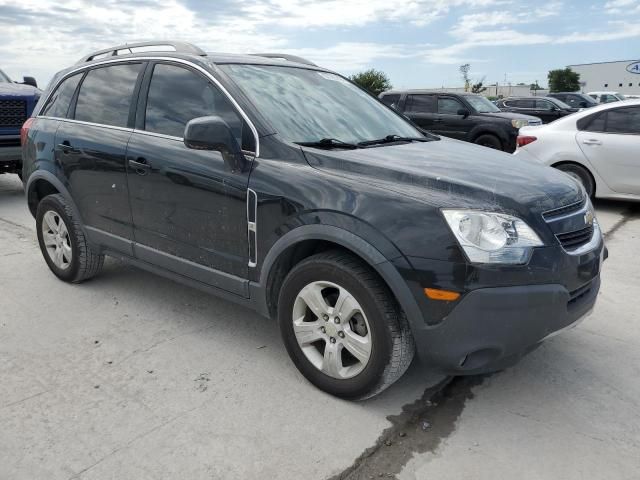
[
  {"x": 342, "y": 326},
  {"x": 63, "y": 243},
  {"x": 489, "y": 141},
  {"x": 581, "y": 174}
]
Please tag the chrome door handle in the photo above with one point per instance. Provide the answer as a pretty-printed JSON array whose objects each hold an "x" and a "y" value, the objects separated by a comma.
[
  {"x": 66, "y": 147},
  {"x": 592, "y": 142}
]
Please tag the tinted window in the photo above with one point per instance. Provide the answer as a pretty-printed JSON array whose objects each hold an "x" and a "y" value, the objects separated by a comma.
[
  {"x": 593, "y": 123},
  {"x": 544, "y": 105},
  {"x": 58, "y": 104},
  {"x": 522, "y": 103},
  {"x": 177, "y": 95},
  {"x": 421, "y": 104},
  {"x": 448, "y": 106},
  {"x": 391, "y": 100},
  {"x": 105, "y": 95},
  {"x": 624, "y": 120}
]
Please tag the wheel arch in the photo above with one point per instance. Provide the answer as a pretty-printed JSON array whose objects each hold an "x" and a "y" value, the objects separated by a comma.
[
  {"x": 583, "y": 166},
  {"x": 307, "y": 240},
  {"x": 42, "y": 183},
  {"x": 485, "y": 129}
]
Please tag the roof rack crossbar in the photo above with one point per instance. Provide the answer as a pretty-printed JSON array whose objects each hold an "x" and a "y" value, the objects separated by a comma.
[
  {"x": 180, "y": 47},
  {"x": 286, "y": 56}
]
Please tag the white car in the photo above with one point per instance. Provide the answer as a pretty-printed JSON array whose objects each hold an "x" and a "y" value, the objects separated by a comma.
[
  {"x": 607, "y": 97},
  {"x": 599, "y": 146}
]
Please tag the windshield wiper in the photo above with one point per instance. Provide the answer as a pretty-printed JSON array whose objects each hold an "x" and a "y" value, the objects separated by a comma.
[
  {"x": 329, "y": 143},
  {"x": 391, "y": 139}
]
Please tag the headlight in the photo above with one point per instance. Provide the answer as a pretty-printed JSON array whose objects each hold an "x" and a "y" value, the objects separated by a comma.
[
  {"x": 519, "y": 123},
  {"x": 488, "y": 237}
]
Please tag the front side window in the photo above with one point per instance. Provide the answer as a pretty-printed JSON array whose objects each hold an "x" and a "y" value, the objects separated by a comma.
[
  {"x": 544, "y": 105},
  {"x": 391, "y": 100},
  {"x": 305, "y": 105},
  {"x": 58, "y": 105},
  {"x": 177, "y": 95},
  {"x": 449, "y": 106},
  {"x": 106, "y": 93},
  {"x": 421, "y": 104},
  {"x": 481, "y": 104}
]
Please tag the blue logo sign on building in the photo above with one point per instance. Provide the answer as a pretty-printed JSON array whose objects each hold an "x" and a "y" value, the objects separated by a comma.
[{"x": 634, "y": 68}]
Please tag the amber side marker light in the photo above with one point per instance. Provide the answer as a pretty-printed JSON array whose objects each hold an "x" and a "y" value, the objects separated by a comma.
[{"x": 436, "y": 294}]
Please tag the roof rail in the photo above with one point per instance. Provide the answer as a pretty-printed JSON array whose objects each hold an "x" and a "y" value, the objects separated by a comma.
[
  {"x": 286, "y": 56},
  {"x": 180, "y": 47}
]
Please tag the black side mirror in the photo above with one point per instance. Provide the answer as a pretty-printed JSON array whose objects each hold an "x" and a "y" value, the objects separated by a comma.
[
  {"x": 464, "y": 112},
  {"x": 213, "y": 133},
  {"x": 30, "y": 81}
]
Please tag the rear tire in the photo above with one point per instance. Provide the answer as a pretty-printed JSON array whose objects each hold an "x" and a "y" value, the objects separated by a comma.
[
  {"x": 63, "y": 243},
  {"x": 372, "y": 325},
  {"x": 581, "y": 174},
  {"x": 489, "y": 141}
]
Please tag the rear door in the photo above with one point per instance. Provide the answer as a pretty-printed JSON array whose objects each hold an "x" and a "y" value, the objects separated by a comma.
[
  {"x": 90, "y": 149},
  {"x": 611, "y": 142},
  {"x": 422, "y": 110},
  {"x": 189, "y": 207}
]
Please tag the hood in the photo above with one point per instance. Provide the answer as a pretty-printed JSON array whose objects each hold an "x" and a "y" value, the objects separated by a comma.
[
  {"x": 18, "y": 90},
  {"x": 450, "y": 173},
  {"x": 511, "y": 116}
]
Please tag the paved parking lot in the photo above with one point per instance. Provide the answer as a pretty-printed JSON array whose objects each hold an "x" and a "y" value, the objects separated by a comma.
[{"x": 131, "y": 376}]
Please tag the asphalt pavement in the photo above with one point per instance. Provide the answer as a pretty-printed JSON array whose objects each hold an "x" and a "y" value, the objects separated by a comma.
[{"x": 132, "y": 376}]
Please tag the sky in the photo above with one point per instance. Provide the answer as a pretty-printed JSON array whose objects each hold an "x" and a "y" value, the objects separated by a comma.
[{"x": 418, "y": 43}]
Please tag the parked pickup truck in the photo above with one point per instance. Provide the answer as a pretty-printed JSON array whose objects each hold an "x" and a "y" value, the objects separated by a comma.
[
  {"x": 467, "y": 117},
  {"x": 17, "y": 101}
]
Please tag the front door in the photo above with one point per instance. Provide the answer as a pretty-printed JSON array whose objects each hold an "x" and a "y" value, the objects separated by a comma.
[
  {"x": 189, "y": 207},
  {"x": 90, "y": 148},
  {"x": 611, "y": 143},
  {"x": 452, "y": 123}
]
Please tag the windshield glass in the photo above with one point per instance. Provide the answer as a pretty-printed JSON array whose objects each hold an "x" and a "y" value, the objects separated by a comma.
[
  {"x": 4, "y": 78},
  {"x": 481, "y": 104},
  {"x": 558, "y": 103},
  {"x": 307, "y": 105},
  {"x": 621, "y": 96}
]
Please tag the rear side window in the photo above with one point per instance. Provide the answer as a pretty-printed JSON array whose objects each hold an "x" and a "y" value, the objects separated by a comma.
[
  {"x": 58, "y": 104},
  {"x": 106, "y": 93},
  {"x": 391, "y": 100},
  {"x": 421, "y": 104},
  {"x": 177, "y": 95},
  {"x": 448, "y": 106},
  {"x": 624, "y": 120}
]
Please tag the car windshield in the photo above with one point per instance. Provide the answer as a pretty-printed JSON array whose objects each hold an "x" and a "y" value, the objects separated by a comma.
[
  {"x": 4, "y": 78},
  {"x": 621, "y": 96},
  {"x": 306, "y": 105},
  {"x": 481, "y": 104},
  {"x": 559, "y": 103}
]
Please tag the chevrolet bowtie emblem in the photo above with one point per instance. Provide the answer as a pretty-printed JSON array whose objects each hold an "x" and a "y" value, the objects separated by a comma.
[{"x": 588, "y": 218}]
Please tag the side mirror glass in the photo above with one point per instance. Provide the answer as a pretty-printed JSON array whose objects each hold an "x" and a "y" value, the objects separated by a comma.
[
  {"x": 213, "y": 133},
  {"x": 30, "y": 81},
  {"x": 464, "y": 112}
]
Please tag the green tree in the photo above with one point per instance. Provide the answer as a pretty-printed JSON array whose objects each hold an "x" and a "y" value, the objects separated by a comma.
[
  {"x": 478, "y": 87},
  {"x": 564, "y": 80},
  {"x": 374, "y": 81}
]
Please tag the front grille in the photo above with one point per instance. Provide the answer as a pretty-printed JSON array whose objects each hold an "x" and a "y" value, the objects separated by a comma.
[
  {"x": 13, "y": 113},
  {"x": 566, "y": 210},
  {"x": 9, "y": 142},
  {"x": 573, "y": 240}
]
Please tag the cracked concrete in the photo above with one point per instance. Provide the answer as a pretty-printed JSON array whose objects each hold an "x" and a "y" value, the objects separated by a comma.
[{"x": 106, "y": 380}]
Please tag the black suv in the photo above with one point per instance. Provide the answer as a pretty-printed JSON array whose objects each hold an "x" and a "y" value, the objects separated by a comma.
[
  {"x": 574, "y": 100},
  {"x": 546, "y": 108},
  {"x": 467, "y": 117},
  {"x": 17, "y": 101},
  {"x": 284, "y": 187}
]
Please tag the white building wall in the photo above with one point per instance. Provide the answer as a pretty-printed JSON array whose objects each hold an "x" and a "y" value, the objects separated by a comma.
[
  {"x": 502, "y": 91},
  {"x": 610, "y": 76}
]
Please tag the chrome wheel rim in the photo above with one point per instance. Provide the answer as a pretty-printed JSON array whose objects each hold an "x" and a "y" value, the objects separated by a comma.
[
  {"x": 332, "y": 330},
  {"x": 55, "y": 236}
]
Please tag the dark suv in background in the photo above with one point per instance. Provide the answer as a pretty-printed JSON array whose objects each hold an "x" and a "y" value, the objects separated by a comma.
[
  {"x": 574, "y": 100},
  {"x": 545, "y": 108},
  {"x": 282, "y": 186},
  {"x": 467, "y": 117},
  {"x": 17, "y": 101}
]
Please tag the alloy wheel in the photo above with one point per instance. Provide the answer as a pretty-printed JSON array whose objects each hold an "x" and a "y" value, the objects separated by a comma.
[
  {"x": 332, "y": 329},
  {"x": 56, "y": 240}
]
